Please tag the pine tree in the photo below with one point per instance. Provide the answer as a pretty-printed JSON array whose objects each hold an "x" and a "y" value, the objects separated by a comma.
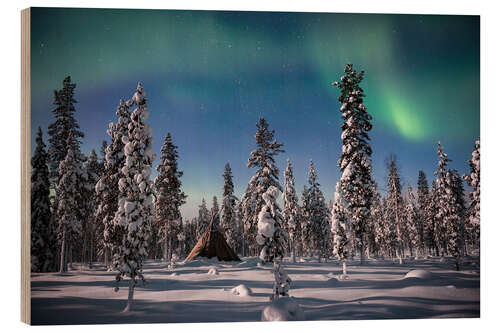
[
  {"x": 203, "y": 218},
  {"x": 102, "y": 160},
  {"x": 229, "y": 214},
  {"x": 316, "y": 213},
  {"x": 378, "y": 224},
  {"x": 135, "y": 198},
  {"x": 92, "y": 169},
  {"x": 67, "y": 213},
  {"x": 453, "y": 215},
  {"x": 442, "y": 204},
  {"x": 267, "y": 175},
  {"x": 290, "y": 209},
  {"x": 60, "y": 129},
  {"x": 474, "y": 180},
  {"x": 355, "y": 160},
  {"x": 43, "y": 235},
  {"x": 412, "y": 223},
  {"x": 273, "y": 239},
  {"x": 430, "y": 225},
  {"x": 305, "y": 222},
  {"x": 107, "y": 186},
  {"x": 423, "y": 197},
  {"x": 169, "y": 196},
  {"x": 395, "y": 202},
  {"x": 340, "y": 229}
]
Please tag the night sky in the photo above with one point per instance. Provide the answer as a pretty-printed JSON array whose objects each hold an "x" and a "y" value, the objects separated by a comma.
[{"x": 210, "y": 75}]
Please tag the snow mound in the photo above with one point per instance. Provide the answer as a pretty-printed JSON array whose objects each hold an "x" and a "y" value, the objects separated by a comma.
[
  {"x": 241, "y": 290},
  {"x": 419, "y": 274},
  {"x": 213, "y": 271},
  {"x": 283, "y": 309},
  {"x": 173, "y": 274},
  {"x": 343, "y": 277},
  {"x": 442, "y": 260}
]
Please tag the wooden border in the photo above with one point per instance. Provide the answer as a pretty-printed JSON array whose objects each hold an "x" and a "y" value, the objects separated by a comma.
[{"x": 25, "y": 166}]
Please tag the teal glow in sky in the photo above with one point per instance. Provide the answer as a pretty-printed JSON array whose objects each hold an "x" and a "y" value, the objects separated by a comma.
[{"x": 210, "y": 75}]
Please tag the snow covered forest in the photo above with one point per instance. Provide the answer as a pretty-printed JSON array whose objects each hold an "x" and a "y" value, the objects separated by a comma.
[{"x": 102, "y": 221}]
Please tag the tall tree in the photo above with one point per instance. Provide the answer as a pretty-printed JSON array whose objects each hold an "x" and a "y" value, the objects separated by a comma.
[
  {"x": 441, "y": 196},
  {"x": 316, "y": 213},
  {"x": 107, "y": 186},
  {"x": 135, "y": 199},
  {"x": 267, "y": 175},
  {"x": 355, "y": 160},
  {"x": 70, "y": 225},
  {"x": 169, "y": 196},
  {"x": 474, "y": 180},
  {"x": 203, "y": 218},
  {"x": 395, "y": 202},
  {"x": 423, "y": 197},
  {"x": 60, "y": 129},
  {"x": 340, "y": 229},
  {"x": 453, "y": 215},
  {"x": 92, "y": 169},
  {"x": 412, "y": 223},
  {"x": 43, "y": 235},
  {"x": 229, "y": 216},
  {"x": 290, "y": 208}
]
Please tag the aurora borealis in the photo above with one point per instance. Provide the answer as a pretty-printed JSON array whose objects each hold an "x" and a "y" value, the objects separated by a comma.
[{"x": 210, "y": 75}]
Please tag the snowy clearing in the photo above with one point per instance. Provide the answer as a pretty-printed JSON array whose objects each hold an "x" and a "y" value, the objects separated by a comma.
[{"x": 377, "y": 290}]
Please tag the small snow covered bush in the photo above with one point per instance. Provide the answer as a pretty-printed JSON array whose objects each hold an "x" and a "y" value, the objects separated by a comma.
[
  {"x": 241, "y": 290},
  {"x": 283, "y": 309}
]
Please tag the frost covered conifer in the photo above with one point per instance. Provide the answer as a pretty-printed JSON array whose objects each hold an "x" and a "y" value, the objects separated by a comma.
[
  {"x": 135, "y": 198},
  {"x": 441, "y": 196},
  {"x": 355, "y": 160},
  {"x": 430, "y": 225},
  {"x": 229, "y": 215},
  {"x": 92, "y": 169},
  {"x": 378, "y": 224},
  {"x": 315, "y": 212},
  {"x": 267, "y": 175},
  {"x": 43, "y": 233},
  {"x": 273, "y": 239},
  {"x": 395, "y": 202},
  {"x": 305, "y": 228},
  {"x": 203, "y": 218},
  {"x": 67, "y": 213},
  {"x": 453, "y": 215},
  {"x": 412, "y": 223},
  {"x": 474, "y": 180},
  {"x": 169, "y": 197},
  {"x": 107, "y": 185},
  {"x": 340, "y": 229},
  {"x": 290, "y": 208},
  {"x": 60, "y": 129}
]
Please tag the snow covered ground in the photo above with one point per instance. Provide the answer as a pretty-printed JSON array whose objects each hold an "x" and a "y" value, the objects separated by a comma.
[{"x": 189, "y": 293}]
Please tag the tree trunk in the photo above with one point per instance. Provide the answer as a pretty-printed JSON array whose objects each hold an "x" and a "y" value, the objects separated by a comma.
[
  {"x": 344, "y": 267},
  {"x": 131, "y": 287},
  {"x": 362, "y": 253},
  {"x": 70, "y": 256},
  {"x": 62, "y": 264},
  {"x": 165, "y": 250}
]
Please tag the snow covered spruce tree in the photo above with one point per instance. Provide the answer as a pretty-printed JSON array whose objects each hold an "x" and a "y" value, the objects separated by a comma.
[
  {"x": 474, "y": 180},
  {"x": 203, "y": 218},
  {"x": 60, "y": 129},
  {"x": 229, "y": 215},
  {"x": 378, "y": 223},
  {"x": 290, "y": 209},
  {"x": 423, "y": 202},
  {"x": 273, "y": 240},
  {"x": 67, "y": 213},
  {"x": 43, "y": 233},
  {"x": 135, "y": 198},
  {"x": 267, "y": 175},
  {"x": 315, "y": 212},
  {"x": 452, "y": 215},
  {"x": 355, "y": 160},
  {"x": 169, "y": 197},
  {"x": 412, "y": 224},
  {"x": 430, "y": 226},
  {"x": 441, "y": 196},
  {"x": 395, "y": 202},
  {"x": 340, "y": 229},
  {"x": 92, "y": 169},
  {"x": 107, "y": 185},
  {"x": 305, "y": 228}
]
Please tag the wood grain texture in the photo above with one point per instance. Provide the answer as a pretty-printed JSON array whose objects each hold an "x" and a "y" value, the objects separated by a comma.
[{"x": 25, "y": 166}]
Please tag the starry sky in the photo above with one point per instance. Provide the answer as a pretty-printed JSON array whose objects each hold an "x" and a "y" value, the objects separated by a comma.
[{"x": 210, "y": 75}]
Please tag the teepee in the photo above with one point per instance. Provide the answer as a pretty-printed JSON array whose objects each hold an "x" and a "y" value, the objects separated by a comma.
[{"x": 212, "y": 244}]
